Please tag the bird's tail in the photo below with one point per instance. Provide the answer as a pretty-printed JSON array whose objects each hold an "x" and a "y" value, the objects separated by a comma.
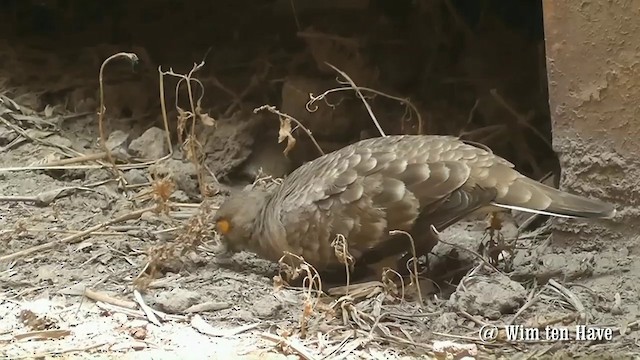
[{"x": 531, "y": 196}]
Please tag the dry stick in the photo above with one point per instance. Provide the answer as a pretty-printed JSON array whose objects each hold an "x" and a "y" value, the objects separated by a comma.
[
  {"x": 24, "y": 134},
  {"x": 359, "y": 93},
  {"x": 77, "y": 237},
  {"x": 165, "y": 119},
  {"x": 59, "y": 231},
  {"x": 78, "y": 159},
  {"x": 415, "y": 261},
  {"x": 571, "y": 297},
  {"x": 472, "y": 112},
  {"x": 253, "y": 83},
  {"x": 272, "y": 109},
  {"x": 148, "y": 311},
  {"x": 295, "y": 14},
  {"x": 103, "y": 137},
  {"x": 97, "y": 296},
  {"x": 294, "y": 345},
  {"x": 404, "y": 101}
]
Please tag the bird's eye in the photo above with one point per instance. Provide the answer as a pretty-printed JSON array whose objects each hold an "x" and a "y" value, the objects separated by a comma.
[{"x": 223, "y": 226}]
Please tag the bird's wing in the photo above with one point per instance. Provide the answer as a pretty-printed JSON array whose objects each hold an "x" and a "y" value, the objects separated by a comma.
[
  {"x": 431, "y": 167},
  {"x": 367, "y": 188}
]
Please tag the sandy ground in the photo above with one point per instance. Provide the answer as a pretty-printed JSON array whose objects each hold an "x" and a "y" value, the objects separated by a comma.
[{"x": 44, "y": 313}]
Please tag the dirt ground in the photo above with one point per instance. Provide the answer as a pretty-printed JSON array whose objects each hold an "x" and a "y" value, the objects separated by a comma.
[{"x": 77, "y": 234}]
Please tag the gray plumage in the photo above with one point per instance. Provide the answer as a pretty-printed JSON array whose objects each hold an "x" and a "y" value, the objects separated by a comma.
[{"x": 400, "y": 182}]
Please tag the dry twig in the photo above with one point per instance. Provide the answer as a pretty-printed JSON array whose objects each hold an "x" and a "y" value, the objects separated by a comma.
[
  {"x": 413, "y": 272},
  {"x": 291, "y": 344},
  {"x": 103, "y": 137},
  {"x": 101, "y": 297},
  {"x": 76, "y": 237},
  {"x": 360, "y": 96}
]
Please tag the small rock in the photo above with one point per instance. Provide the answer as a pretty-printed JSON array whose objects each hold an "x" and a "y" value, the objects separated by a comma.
[
  {"x": 117, "y": 142},
  {"x": 59, "y": 140},
  {"x": 135, "y": 177},
  {"x": 150, "y": 145},
  {"x": 150, "y": 217},
  {"x": 446, "y": 321},
  {"x": 176, "y": 300},
  {"x": 266, "y": 307},
  {"x": 179, "y": 196},
  {"x": 97, "y": 175},
  {"x": 184, "y": 174},
  {"x": 490, "y": 297},
  {"x": 244, "y": 315}
]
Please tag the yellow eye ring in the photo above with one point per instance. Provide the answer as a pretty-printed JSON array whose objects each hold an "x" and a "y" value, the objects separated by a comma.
[{"x": 223, "y": 226}]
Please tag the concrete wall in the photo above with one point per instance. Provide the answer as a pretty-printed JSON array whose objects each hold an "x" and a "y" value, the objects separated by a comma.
[{"x": 593, "y": 64}]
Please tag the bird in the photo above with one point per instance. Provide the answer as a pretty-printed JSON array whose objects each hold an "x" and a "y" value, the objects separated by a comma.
[{"x": 418, "y": 184}]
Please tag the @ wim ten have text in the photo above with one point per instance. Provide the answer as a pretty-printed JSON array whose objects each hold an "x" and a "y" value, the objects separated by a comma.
[{"x": 579, "y": 333}]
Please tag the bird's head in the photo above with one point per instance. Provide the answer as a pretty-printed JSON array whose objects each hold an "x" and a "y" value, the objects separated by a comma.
[{"x": 237, "y": 218}]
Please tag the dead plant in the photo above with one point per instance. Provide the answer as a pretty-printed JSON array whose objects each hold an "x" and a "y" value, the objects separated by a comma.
[
  {"x": 187, "y": 120},
  {"x": 198, "y": 229},
  {"x": 292, "y": 266},
  {"x": 340, "y": 248}
]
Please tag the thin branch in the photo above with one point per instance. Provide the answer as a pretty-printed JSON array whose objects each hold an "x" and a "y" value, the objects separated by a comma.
[
  {"x": 103, "y": 137},
  {"x": 359, "y": 93}
]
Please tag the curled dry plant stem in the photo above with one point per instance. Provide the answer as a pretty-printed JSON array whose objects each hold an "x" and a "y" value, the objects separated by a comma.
[
  {"x": 340, "y": 248},
  {"x": 386, "y": 277},
  {"x": 359, "y": 93},
  {"x": 103, "y": 137},
  {"x": 194, "y": 106},
  {"x": 414, "y": 272},
  {"x": 293, "y": 269},
  {"x": 403, "y": 101},
  {"x": 272, "y": 109}
]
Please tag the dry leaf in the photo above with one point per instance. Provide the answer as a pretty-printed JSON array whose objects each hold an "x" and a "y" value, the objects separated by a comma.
[
  {"x": 42, "y": 335},
  {"x": 182, "y": 121},
  {"x": 48, "y": 111},
  {"x": 207, "y": 120},
  {"x": 285, "y": 133},
  {"x": 204, "y": 117}
]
